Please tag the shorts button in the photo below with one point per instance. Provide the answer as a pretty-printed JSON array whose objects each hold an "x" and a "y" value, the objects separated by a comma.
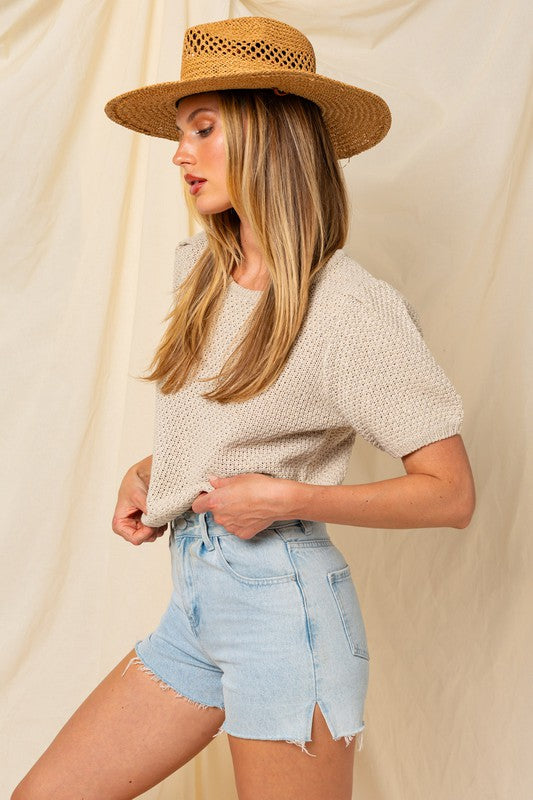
[{"x": 180, "y": 524}]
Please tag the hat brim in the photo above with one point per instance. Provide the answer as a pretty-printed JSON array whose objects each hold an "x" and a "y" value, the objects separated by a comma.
[{"x": 357, "y": 119}]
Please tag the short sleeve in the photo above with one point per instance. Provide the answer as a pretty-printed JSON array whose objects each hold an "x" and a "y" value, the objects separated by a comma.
[{"x": 382, "y": 379}]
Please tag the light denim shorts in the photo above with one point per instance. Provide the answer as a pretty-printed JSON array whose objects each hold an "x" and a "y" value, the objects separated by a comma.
[{"x": 263, "y": 628}]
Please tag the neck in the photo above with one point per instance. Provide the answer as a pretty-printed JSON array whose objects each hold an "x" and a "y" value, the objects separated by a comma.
[{"x": 252, "y": 272}]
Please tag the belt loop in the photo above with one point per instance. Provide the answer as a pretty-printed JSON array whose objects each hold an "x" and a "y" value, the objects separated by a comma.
[
  {"x": 205, "y": 533},
  {"x": 306, "y": 526}
]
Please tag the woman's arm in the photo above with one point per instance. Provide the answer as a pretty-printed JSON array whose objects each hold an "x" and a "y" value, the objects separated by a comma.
[
  {"x": 437, "y": 491},
  {"x": 131, "y": 503},
  {"x": 144, "y": 470}
]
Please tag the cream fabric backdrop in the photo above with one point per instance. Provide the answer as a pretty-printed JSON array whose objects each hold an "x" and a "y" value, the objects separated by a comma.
[{"x": 440, "y": 209}]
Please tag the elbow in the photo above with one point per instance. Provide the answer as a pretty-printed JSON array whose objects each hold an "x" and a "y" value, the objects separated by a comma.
[
  {"x": 464, "y": 505},
  {"x": 464, "y": 521}
]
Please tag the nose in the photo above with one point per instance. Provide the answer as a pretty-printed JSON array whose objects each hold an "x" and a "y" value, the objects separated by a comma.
[{"x": 181, "y": 156}]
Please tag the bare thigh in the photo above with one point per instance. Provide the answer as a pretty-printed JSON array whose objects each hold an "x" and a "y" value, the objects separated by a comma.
[
  {"x": 266, "y": 770},
  {"x": 126, "y": 736}
]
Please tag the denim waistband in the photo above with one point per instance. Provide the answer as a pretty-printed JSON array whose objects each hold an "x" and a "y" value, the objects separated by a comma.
[{"x": 203, "y": 525}]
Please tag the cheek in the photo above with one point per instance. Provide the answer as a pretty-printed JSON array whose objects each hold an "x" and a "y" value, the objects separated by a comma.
[{"x": 219, "y": 158}]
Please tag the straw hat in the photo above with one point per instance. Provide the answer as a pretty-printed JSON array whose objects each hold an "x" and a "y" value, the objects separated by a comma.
[{"x": 255, "y": 53}]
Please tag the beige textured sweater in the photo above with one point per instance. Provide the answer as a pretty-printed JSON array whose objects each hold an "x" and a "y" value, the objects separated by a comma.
[{"x": 359, "y": 366}]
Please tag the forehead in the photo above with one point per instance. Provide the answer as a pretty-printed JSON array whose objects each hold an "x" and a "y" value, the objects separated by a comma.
[{"x": 188, "y": 105}]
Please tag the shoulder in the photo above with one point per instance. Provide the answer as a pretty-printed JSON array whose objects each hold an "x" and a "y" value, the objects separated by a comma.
[
  {"x": 187, "y": 253},
  {"x": 192, "y": 246},
  {"x": 343, "y": 285},
  {"x": 199, "y": 238}
]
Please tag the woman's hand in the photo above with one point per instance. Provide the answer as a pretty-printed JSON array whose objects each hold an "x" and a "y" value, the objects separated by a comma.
[
  {"x": 131, "y": 504},
  {"x": 244, "y": 504}
]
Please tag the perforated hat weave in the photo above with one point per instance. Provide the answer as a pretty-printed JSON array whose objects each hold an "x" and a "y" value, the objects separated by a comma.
[{"x": 260, "y": 53}]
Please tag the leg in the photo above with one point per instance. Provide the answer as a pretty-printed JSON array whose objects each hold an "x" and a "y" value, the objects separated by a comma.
[
  {"x": 125, "y": 737},
  {"x": 270, "y": 770}
]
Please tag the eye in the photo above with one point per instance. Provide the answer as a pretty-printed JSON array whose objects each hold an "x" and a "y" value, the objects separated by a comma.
[{"x": 205, "y": 131}]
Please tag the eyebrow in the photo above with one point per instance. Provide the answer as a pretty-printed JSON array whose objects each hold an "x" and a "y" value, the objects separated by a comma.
[{"x": 193, "y": 114}]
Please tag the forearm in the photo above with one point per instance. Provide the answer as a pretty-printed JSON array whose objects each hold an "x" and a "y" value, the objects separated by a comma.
[
  {"x": 144, "y": 469},
  {"x": 410, "y": 501}
]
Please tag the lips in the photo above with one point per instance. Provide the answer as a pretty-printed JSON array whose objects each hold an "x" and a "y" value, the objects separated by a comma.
[
  {"x": 193, "y": 179},
  {"x": 195, "y": 182}
]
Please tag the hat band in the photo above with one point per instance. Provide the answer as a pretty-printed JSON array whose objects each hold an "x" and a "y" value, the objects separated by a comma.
[{"x": 207, "y": 54}]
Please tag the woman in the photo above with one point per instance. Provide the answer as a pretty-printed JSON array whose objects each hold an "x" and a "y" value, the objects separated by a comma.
[{"x": 279, "y": 349}]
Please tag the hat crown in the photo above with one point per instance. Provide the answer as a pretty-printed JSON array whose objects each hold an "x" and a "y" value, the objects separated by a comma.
[{"x": 245, "y": 44}]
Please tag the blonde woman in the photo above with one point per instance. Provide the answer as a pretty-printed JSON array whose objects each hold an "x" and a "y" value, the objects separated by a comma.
[{"x": 279, "y": 349}]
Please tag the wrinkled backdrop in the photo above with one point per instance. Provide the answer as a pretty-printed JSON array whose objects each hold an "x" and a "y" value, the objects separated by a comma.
[{"x": 92, "y": 213}]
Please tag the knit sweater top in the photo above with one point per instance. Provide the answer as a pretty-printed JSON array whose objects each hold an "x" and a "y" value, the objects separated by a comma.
[{"x": 359, "y": 365}]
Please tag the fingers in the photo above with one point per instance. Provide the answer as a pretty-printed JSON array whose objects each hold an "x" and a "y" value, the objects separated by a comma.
[
  {"x": 131, "y": 504},
  {"x": 135, "y": 532},
  {"x": 146, "y": 534},
  {"x": 155, "y": 536}
]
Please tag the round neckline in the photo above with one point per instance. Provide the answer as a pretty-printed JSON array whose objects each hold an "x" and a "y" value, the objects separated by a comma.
[{"x": 243, "y": 290}]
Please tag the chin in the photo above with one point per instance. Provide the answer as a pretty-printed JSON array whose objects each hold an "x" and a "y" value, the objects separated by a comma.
[{"x": 211, "y": 208}]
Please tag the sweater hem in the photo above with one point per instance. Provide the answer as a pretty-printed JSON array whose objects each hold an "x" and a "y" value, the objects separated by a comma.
[{"x": 156, "y": 522}]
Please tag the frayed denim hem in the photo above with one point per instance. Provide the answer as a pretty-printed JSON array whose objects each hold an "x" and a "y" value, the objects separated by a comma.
[
  {"x": 358, "y": 736},
  {"x": 161, "y": 683}
]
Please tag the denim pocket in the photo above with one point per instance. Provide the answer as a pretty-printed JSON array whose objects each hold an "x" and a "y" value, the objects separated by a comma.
[
  {"x": 342, "y": 586},
  {"x": 263, "y": 559}
]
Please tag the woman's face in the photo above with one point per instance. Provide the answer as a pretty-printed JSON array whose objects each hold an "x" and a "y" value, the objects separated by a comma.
[{"x": 201, "y": 153}]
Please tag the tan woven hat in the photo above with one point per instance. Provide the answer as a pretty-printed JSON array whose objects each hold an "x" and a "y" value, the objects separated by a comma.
[{"x": 255, "y": 53}]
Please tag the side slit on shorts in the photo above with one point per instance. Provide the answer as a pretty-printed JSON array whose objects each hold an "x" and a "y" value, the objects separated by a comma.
[{"x": 264, "y": 628}]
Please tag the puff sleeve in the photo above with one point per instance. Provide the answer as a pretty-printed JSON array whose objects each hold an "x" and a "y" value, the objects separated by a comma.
[{"x": 382, "y": 380}]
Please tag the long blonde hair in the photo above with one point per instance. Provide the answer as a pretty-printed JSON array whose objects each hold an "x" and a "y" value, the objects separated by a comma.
[{"x": 284, "y": 179}]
